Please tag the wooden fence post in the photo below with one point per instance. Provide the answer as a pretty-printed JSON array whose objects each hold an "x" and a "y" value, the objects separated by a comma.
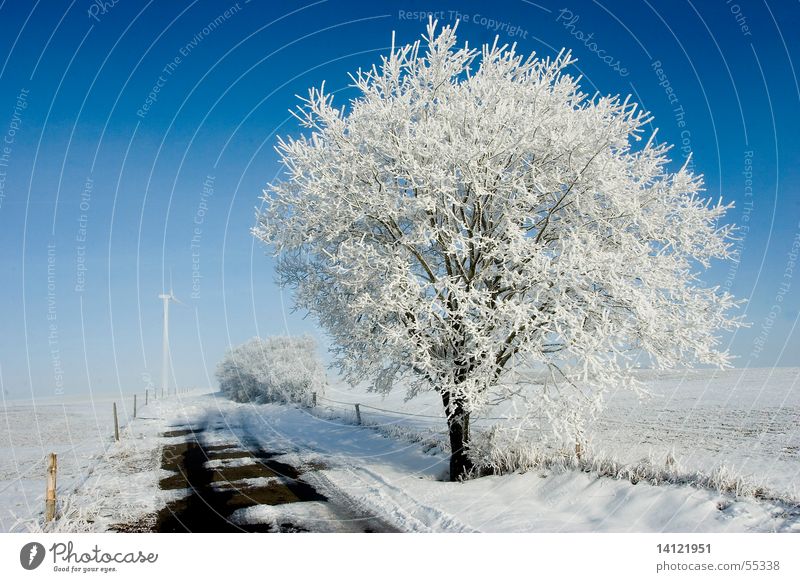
[
  {"x": 314, "y": 399},
  {"x": 146, "y": 396},
  {"x": 116, "y": 424},
  {"x": 358, "y": 413},
  {"x": 50, "y": 497},
  {"x": 134, "y": 406}
]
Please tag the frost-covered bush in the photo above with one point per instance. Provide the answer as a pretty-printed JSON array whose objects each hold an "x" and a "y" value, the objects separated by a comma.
[{"x": 276, "y": 369}]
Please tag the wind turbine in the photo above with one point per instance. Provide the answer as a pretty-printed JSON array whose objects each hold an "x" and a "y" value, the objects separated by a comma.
[{"x": 165, "y": 337}]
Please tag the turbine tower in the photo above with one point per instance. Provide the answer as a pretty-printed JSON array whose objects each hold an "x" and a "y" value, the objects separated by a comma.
[{"x": 165, "y": 339}]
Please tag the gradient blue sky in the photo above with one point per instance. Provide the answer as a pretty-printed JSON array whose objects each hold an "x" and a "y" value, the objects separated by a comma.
[{"x": 84, "y": 73}]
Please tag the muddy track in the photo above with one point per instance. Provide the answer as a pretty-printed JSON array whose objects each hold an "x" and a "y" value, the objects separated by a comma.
[{"x": 221, "y": 479}]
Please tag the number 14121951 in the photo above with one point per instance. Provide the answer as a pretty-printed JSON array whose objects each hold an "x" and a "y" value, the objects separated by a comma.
[{"x": 684, "y": 548}]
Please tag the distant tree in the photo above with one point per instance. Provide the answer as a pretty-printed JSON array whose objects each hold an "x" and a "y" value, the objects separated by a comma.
[
  {"x": 275, "y": 369},
  {"x": 472, "y": 210}
]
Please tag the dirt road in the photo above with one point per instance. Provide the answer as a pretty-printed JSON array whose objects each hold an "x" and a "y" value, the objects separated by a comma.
[{"x": 227, "y": 484}]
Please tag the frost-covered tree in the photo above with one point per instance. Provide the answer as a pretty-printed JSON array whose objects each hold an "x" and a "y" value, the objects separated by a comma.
[
  {"x": 474, "y": 209},
  {"x": 276, "y": 369}
]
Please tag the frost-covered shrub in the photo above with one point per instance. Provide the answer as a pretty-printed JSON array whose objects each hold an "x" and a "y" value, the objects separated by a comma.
[{"x": 276, "y": 369}]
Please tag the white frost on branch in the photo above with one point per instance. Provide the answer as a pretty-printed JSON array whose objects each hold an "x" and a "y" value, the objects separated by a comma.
[
  {"x": 472, "y": 210},
  {"x": 275, "y": 369}
]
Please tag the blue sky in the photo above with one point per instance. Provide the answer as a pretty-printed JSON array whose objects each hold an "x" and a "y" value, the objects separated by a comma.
[{"x": 137, "y": 137}]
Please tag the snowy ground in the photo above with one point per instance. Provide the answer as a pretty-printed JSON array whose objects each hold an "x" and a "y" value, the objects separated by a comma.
[
  {"x": 101, "y": 483},
  {"x": 745, "y": 420},
  {"x": 77, "y": 430}
]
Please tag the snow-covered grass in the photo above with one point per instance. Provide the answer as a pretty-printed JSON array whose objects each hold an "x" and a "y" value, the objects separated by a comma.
[
  {"x": 78, "y": 431},
  {"x": 743, "y": 423},
  {"x": 100, "y": 482},
  {"x": 646, "y": 474},
  {"x": 734, "y": 430}
]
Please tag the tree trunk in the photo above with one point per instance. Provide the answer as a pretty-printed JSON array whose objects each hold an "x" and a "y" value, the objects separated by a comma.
[{"x": 458, "y": 427}]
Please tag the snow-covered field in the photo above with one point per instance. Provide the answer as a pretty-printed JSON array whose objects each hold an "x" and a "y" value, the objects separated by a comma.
[
  {"x": 746, "y": 421},
  {"x": 78, "y": 430}
]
